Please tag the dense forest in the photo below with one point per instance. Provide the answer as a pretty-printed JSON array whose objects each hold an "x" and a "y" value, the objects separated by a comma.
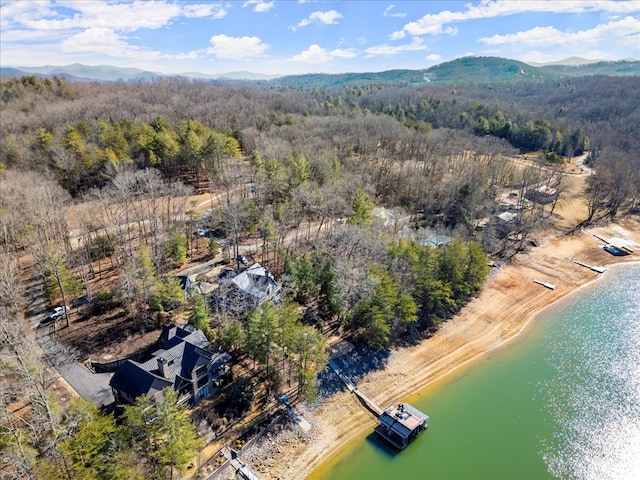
[{"x": 342, "y": 191}]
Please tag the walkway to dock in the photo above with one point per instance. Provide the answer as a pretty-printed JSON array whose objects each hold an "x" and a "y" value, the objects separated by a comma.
[
  {"x": 591, "y": 267},
  {"x": 548, "y": 285},
  {"x": 241, "y": 468},
  {"x": 367, "y": 402}
]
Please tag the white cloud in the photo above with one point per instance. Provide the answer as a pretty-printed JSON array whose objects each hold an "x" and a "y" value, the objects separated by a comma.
[
  {"x": 313, "y": 54},
  {"x": 116, "y": 16},
  {"x": 316, "y": 54},
  {"x": 388, "y": 13},
  {"x": 21, "y": 35},
  {"x": 187, "y": 56},
  {"x": 343, "y": 53},
  {"x": 18, "y": 13},
  {"x": 236, "y": 48},
  {"x": 211, "y": 10},
  {"x": 433, "y": 24},
  {"x": 126, "y": 16},
  {"x": 329, "y": 17},
  {"x": 434, "y": 57},
  {"x": 384, "y": 49},
  {"x": 259, "y": 5},
  {"x": 93, "y": 28},
  {"x": 100, "y": 40},
  {"x": 626, "y": 30}
]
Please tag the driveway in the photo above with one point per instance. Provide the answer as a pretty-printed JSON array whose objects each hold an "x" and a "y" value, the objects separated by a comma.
[{"x": 93, "y": 387}]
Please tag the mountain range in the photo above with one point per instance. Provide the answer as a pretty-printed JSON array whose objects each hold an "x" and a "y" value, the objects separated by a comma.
[{"x": 461, "y": 70}]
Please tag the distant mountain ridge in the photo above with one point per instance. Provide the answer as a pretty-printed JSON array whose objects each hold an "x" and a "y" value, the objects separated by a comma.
[
  {"x": 621, "y": 68},
  {"x": 104, "y": 73},
  {"x": 566, "y": 61},
  {"x": 461, "y": 70}
]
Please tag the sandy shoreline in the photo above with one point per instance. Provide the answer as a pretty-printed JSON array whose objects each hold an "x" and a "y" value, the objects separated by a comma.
[{"x": 503, "y": 309}]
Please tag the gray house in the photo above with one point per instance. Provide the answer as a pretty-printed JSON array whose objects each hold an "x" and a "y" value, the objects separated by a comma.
[
  {"x": 184, "y": 362},
  {"x": 246, "y": 288}
]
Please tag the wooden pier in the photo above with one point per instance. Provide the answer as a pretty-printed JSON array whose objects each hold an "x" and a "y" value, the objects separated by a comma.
[
  {"x": 548, "y": 285},
  {"x": 590, "y": 267},
  {"x": 367, "y": 402},
  {"x": 240, "y": 468}
]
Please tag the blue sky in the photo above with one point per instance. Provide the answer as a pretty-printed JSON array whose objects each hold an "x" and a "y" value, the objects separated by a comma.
[{"x": 292, "y": 37}]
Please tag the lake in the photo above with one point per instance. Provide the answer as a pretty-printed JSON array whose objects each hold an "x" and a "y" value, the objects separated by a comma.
[{"x": 561, "y": 401}]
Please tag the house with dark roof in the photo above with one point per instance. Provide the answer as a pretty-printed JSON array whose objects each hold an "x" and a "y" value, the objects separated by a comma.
[
  {"x": 184, "y": 362},
  {"x": 542, "y": 194},
  {"x": 245, "y": 288}
]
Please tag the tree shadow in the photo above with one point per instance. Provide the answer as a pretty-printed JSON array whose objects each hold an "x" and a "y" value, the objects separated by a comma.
[{"x": 355, "y": 364}]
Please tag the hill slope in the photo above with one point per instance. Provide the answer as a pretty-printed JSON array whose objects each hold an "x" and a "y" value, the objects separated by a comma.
[
  {"x": 616, "y": 69},
  {"x": 461, "y": 70}
]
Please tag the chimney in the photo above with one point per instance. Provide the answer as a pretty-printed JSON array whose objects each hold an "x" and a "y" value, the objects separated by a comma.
[{"x": 163, "y": 366}]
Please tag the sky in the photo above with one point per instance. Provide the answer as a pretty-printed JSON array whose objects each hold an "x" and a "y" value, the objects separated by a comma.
[{"x": 294, "y": 37}]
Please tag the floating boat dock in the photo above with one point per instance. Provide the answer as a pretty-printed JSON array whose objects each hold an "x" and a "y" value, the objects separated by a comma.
[
  {"x": 615, "y": 246},
  {"x": 399, "y": 423}
]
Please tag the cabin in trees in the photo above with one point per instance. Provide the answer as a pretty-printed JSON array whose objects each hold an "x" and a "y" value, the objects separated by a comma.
[
  {"x": 246, "y": 288},
  {"x": 184, "y": 362},
  {"x": 400, "y": 423},
  {"x": 506, "y": 222},
  {"x": 195, "y": 284},
  {"x": 542, "y": 194}
]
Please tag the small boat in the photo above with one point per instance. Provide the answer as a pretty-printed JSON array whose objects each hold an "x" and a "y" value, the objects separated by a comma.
[{"x": 616, "y": 251}]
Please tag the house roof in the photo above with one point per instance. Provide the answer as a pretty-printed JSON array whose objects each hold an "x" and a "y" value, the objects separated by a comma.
[
  {"x": 182, "y": 348},
  {"x": 132, "y": 378},
  {"x": 546, "y": 190},
  {"x": 255, "y": 281},
  {"x": 507, "y": 217},
  {"x": 172, "y": 335}
]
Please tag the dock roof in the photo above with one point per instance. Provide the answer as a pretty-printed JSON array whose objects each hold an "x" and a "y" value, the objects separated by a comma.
[{"x": 402, "y": 418}]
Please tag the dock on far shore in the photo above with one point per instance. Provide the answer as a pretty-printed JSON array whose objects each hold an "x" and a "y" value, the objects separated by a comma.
[
  {"x": 616, "y": 243},
  {"x": 590, "y": 267},
  {"x": 548, "y": 285}
]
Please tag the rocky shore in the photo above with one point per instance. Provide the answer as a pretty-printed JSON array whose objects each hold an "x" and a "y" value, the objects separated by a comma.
[{"x": 504, "y": 308}]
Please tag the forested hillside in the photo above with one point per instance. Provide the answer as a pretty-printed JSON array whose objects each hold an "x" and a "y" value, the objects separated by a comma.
[{"x": 375, "y": 207}]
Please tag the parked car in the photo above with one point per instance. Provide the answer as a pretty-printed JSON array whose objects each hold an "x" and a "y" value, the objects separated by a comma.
[
  {"x": 80, "y": 301},
  {"x": 242, "y": 259},
  {"x": 58, "y": 312}
]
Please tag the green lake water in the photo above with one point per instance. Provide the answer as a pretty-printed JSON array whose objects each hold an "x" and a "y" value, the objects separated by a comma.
[{"x": 560, "y": 401}]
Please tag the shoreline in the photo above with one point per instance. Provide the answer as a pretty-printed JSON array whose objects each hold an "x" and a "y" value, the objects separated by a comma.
[{"x": 504, "y": 309}]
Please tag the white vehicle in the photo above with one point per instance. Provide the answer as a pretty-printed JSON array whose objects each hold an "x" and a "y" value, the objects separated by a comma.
[{"x": 57, "y": 312}]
